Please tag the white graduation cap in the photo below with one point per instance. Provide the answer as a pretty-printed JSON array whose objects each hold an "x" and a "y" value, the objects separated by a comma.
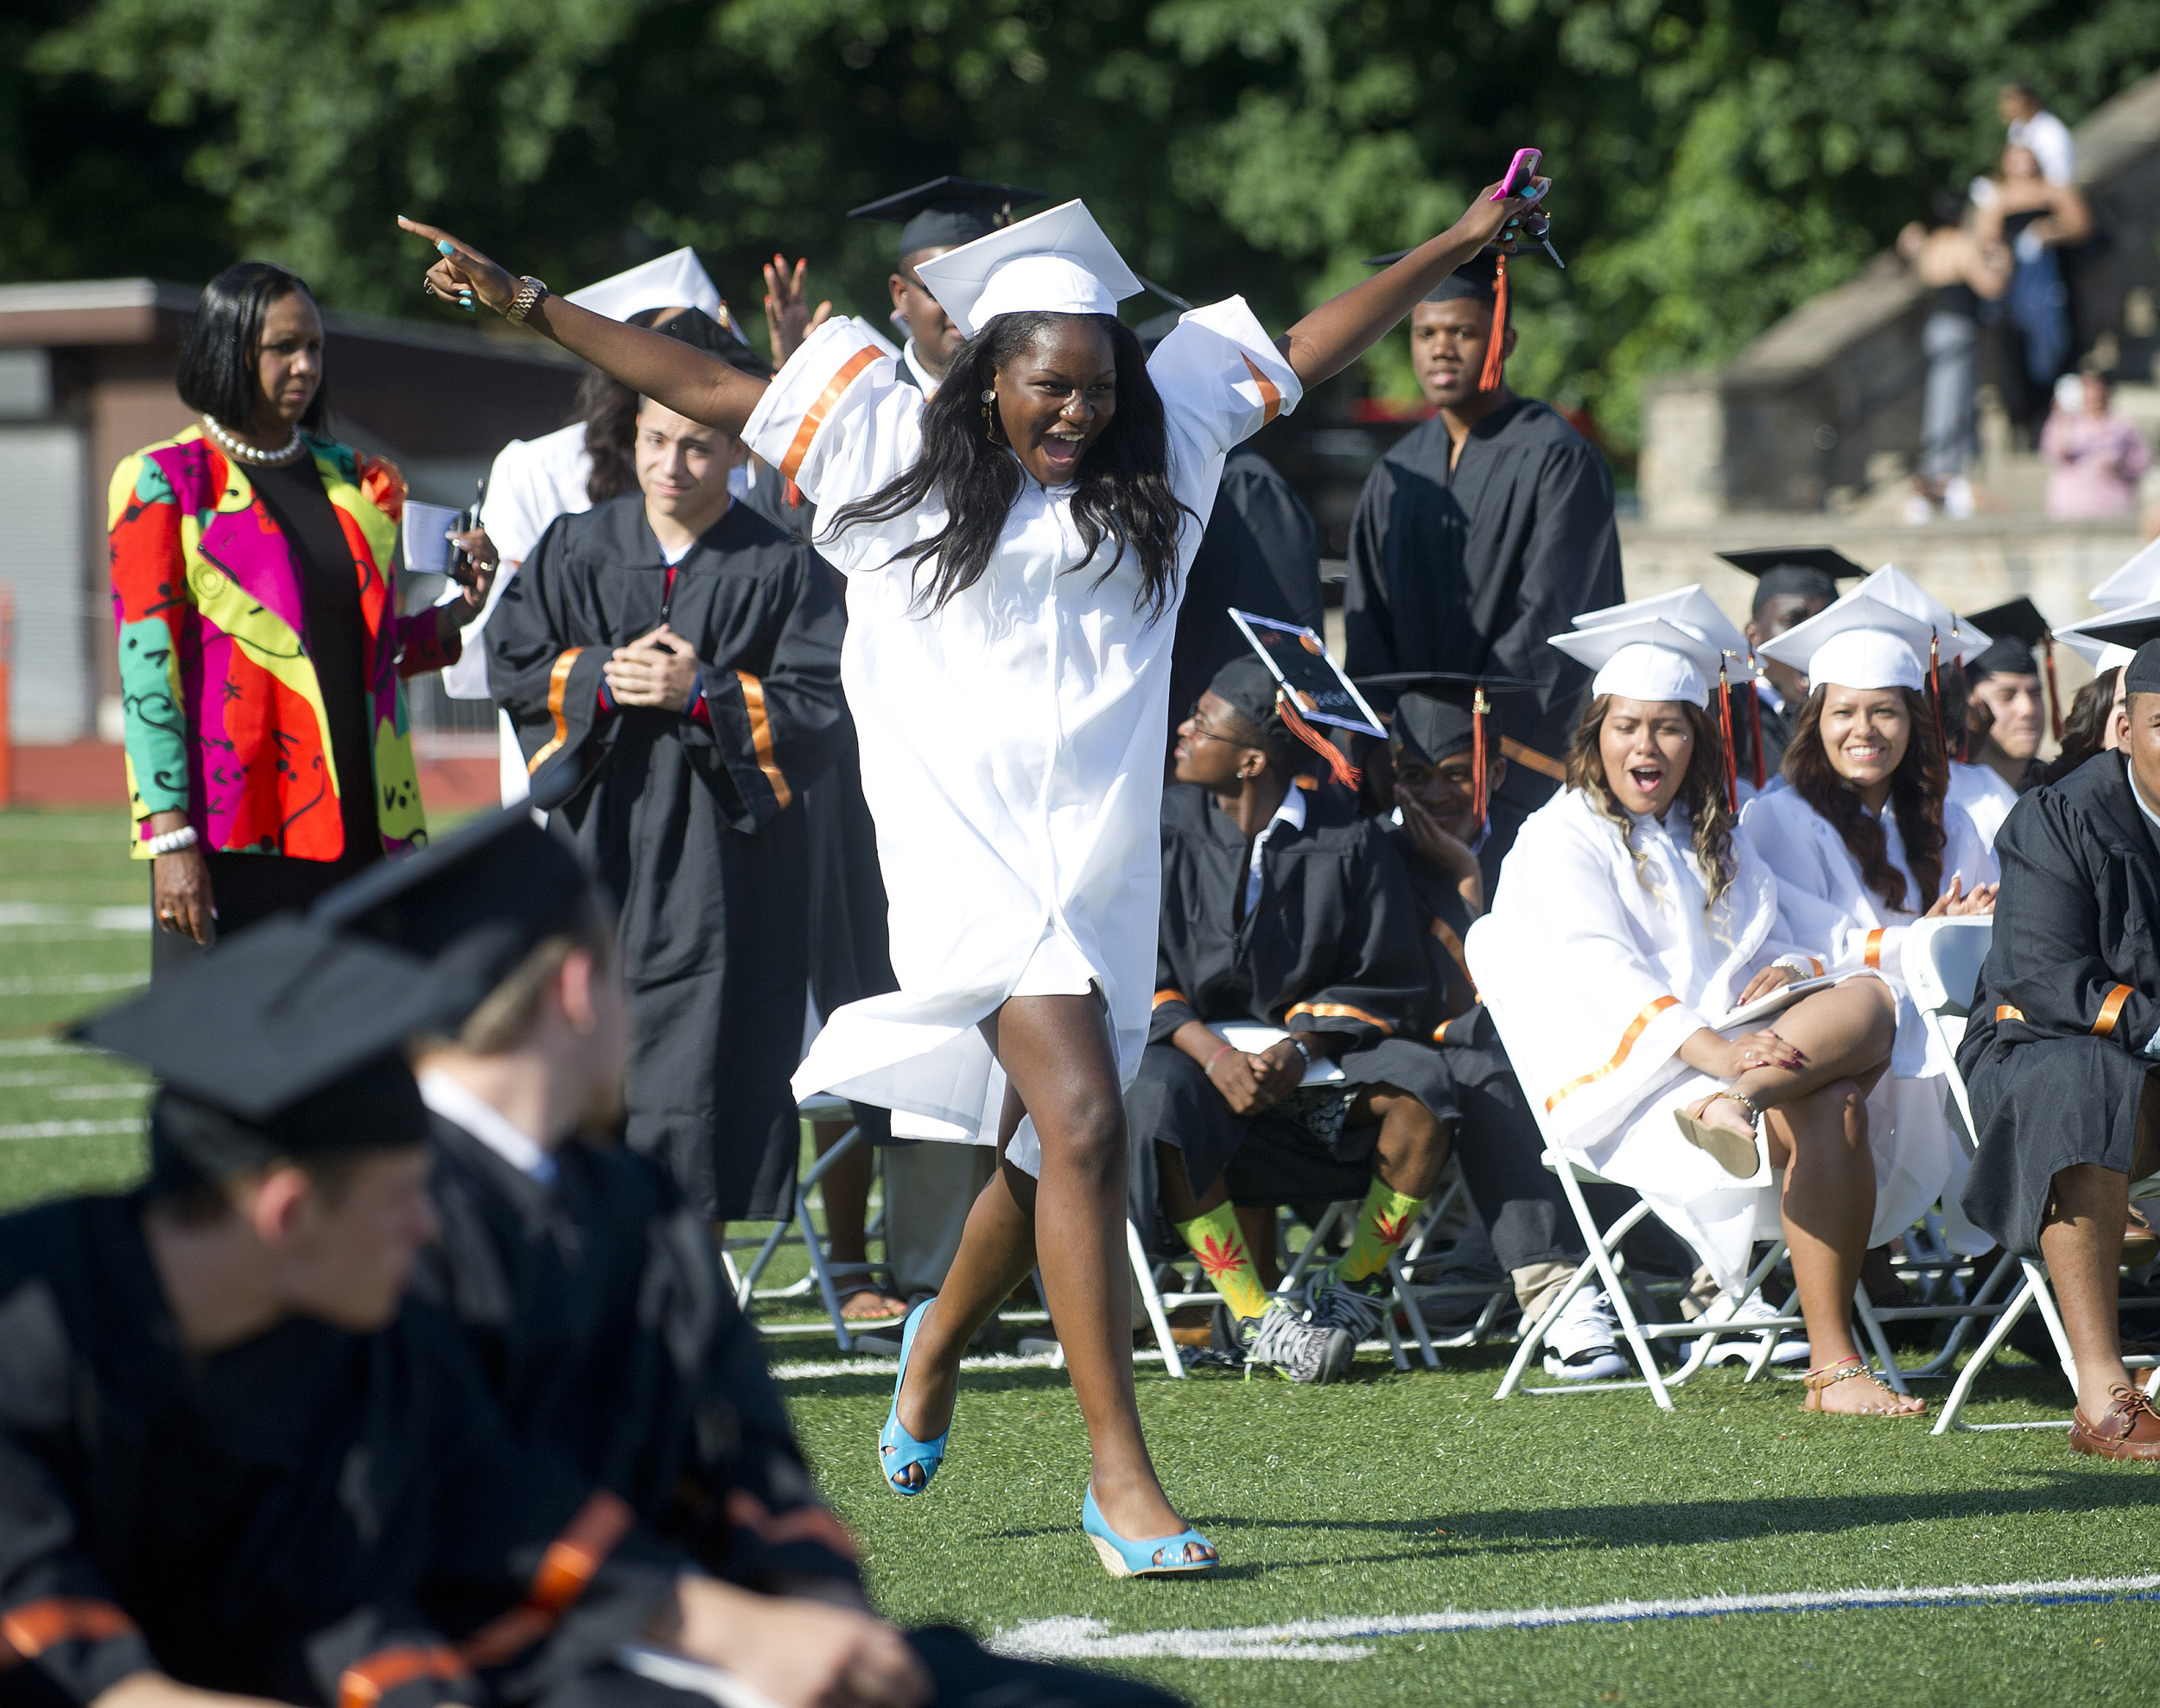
[
  {"x": 1693, "y": 610},
  {"x": 675, "y": 281},
  {"x": 1859, "y": 642},
  {"x": 1644, "y": 658},
  {"x": 2107, "y": 655},
  {"x": 2135, "y": 582},
  {"x": 1956, "y": 639},
  {"x": 1057, "y": 261}
]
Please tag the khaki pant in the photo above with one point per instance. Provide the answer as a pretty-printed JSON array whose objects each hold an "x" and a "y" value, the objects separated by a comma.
[{"x": 929, "y": 1189}]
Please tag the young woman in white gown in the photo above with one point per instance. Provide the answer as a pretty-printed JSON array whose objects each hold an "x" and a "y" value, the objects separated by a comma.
[
  {"x": 1016, "y": 546},
  {"x": 1629, "y": 917},
  {"x": 1863, "y": 843}
]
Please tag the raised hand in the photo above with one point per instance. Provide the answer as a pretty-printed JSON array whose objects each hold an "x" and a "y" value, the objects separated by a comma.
[
  {"x": 462, "y": 273},
  {"x": 788, "y": 317},
  {"x": 1490, "y": 221}
]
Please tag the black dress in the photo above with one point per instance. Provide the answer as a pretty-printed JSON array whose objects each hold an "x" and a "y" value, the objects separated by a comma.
[
  {"x": 1470, "y": 569},
  {"x": 694, "y": 823},
  {"x": 2055, "y": 1054},
  {"x": 303, "y": 1516},
  {"x": 246, "y": 888}
]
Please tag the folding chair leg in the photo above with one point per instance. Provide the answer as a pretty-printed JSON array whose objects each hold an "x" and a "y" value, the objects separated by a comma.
[
  {"x": 813, "y": 1247},
  {"x": 1982, "y": 1354},
  {"x": 1865, "y": 1311},
  {"x": 1616, "y": 1295},
  {"x": 2043, "y": 1296},
  {"x": 1400, "y": 1277},
  {"x": 1150, "y": 1296}
]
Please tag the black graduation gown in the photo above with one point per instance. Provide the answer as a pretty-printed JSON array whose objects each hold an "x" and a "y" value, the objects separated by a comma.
[
  {"x": 313, "y": 1515},
  {"x": 696, "y": 828},
  {"x": 1777, "y": 735},
  {"x": 2070, "y": 997},
  {"x": 1260, "y": 553},
  {"x": 1330, "y": 946},
  {"x": 1470, "y": 569},
  {"x": 599, "y": 1318}
]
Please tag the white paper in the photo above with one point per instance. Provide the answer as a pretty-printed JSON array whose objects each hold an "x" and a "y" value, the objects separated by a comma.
[
  {"x": 680, "y": 1672},
  {"x": 1775, "y": 1003},
  {"x": 427, "y": 543},
  {"x": 1251, "y": 1038}
]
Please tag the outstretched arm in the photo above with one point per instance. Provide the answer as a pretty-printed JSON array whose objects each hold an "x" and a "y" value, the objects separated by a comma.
[
  {"x": 1344, "y": 327},
  {"x": 666, "y": 370}
]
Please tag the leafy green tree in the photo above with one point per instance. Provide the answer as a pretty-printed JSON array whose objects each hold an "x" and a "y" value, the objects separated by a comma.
[{"x": 1718, "y": 161}]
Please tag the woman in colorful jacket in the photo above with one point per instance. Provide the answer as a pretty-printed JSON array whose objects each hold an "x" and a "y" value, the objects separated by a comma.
[{"x": 262, "y": 651}]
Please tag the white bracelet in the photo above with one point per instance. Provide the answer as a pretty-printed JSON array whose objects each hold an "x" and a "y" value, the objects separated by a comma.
[
  {"x": 1297, "y": 1044},
  {"x": 174, "y": 841}
]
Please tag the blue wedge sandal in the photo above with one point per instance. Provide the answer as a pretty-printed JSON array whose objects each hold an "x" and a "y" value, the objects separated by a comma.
[
  {"x": 898, "y": 1450},
  {"x": 1154, "y": 1557}
]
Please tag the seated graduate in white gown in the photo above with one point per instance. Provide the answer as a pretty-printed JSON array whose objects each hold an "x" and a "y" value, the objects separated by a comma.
[
  {"x": 1631, "y": 919},
  {"x": 1863, "y": 843}
]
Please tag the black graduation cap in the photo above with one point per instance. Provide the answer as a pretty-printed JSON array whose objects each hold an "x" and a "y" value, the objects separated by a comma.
[
  {"x": 285, "y": 1042},
  {"x": 1813, "y": 572},
  {"x": 2014, "y": 630},
  {"x": 1438, "y": 712},
  {"x": 948, "y": 211},
  {"x": 2142, "y": 674},
  {"x": 472, "y": 906},
  {"x": 700, "y": 330},
  {"x": 1309, "y": 688}
]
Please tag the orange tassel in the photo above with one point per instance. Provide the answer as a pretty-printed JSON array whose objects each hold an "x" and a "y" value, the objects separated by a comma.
[
  {"x": 1934, "y": 691},
  {"x": 2054, "y": 694},
  {"x": 1724, "y": 720},
  {"x": 1480, "y": 794},
  {"x": 1342, "y": 770},
  {"x": 1496, "y": 345},
  {"x": 1754, "y": 726}
]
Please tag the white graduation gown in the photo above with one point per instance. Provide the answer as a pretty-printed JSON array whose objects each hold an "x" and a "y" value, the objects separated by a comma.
[
  {"x": 1986, "y": 798},
  {"x": 1829, "y": 911},
  {"x": 1013, "y": 742},
  {"x": 1596, "y": 976}
]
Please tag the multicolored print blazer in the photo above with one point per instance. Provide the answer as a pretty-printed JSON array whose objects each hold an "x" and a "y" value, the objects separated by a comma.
[{"x": 225, "y": 718}]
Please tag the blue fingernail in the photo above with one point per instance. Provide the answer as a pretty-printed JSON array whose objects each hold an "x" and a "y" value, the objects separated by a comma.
[{"x": 446, "y": 246}]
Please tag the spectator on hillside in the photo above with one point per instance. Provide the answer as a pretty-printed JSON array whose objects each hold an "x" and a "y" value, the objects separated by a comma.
[
  {"x": 2028, "y": 125},
  {"x": 1964, "y": 271},
  {"x": 2095, "y": 459},
  {"x": 2035, "y": 218}
]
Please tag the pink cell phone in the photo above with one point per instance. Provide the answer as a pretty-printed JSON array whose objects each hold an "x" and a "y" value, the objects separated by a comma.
[{"x": 1521, "y": 169}]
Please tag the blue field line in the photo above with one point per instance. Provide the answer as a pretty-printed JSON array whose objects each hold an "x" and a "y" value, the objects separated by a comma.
[{"x": 1077, "y": 1639}]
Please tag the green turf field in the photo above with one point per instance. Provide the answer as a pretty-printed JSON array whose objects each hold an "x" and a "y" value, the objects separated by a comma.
[{"x": 1362, "y": 1505}]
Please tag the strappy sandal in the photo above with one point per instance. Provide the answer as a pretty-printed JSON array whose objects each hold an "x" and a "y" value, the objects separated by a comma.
[
  {"x": 1844, "y": 1370},
  {"x": 1735, "y": 1153}
]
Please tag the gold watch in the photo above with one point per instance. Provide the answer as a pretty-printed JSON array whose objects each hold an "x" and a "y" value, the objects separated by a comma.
[{"x": 530, "y": 291}]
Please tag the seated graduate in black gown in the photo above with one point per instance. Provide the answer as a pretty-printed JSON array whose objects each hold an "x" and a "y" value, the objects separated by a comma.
[
  {"x": 588, "y": 1294},
  {"x": 1288, "y": 978},
  {"x": 671, "y": 661},
  {"x": 1452, "y": 837},
  {"x": 234, "y": 1459},
  {"x": 2060, "y": 1052}
]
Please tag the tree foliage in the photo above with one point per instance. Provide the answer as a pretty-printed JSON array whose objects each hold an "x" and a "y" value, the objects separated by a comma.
[{"x": 1718, "y": 161}]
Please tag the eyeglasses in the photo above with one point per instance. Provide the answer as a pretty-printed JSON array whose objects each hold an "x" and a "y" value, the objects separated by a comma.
[{"x": 1201, "y": 730}]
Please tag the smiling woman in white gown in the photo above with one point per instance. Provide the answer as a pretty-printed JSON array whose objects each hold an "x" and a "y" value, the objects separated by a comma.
[
  {"x": 1631, "y": 919},
  {"x": 1015, "y": 546}
]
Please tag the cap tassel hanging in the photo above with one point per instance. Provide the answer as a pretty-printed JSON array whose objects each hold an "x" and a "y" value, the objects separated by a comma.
[
  {"x": 1724, "y": 720},
  {"x": 2054, "y": 692},
  {"x": 1755, "y": 723},
  {"x": 1480, "y": 791},
  {"x": 1340, "y": 768},
  {"x": 1496, "y": 345},
  {"x": 1935, "y": 692}
]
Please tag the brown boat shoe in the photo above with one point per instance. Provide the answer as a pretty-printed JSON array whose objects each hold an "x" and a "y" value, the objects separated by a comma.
[{"x": 2128, "y": 1428}]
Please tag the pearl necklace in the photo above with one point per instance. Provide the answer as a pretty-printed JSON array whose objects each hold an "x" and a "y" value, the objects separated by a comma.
[{"x": 239, "y": 448}]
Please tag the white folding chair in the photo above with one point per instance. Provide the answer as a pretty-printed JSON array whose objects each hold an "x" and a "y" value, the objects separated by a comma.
[{"x": 800, "y": 1229}]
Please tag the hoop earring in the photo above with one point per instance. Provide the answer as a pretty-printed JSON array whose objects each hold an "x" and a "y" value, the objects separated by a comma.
[{"x": 990, "y": 415}]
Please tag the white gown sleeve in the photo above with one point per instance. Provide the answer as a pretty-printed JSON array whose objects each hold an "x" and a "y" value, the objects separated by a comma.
[
  {"x": 833, "y": 420},
  {"x": 1222, "y": 379}
]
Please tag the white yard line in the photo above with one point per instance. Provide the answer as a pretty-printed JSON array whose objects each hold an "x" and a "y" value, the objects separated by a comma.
[
  {"x": 885, "y": 1366},
  {"x": 70, "y": 1129},
  {"x": 60, "y": 921},
  {"x": 36, "y": 1046},
  {"x": 72, "y": 984},
  {"x": 1070, "y": 1638}
]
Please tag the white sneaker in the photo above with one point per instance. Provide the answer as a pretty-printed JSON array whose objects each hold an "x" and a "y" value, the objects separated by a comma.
[
  {"x": 1791, "y": 1349},
  {"x": 1581, "y": 1345}
]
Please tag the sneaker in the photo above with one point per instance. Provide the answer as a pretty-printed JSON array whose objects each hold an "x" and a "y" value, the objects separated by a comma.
[
  {"x": 1356, "y": 1307},
  {"x": 1791, "y": 1349},
  {"x": 1279, "y": 1339},
  {"x": 1580, "y": 1346}
]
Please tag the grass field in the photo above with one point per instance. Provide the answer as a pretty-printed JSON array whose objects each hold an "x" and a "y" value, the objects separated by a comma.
[{"x": 1371, "y": 1506}]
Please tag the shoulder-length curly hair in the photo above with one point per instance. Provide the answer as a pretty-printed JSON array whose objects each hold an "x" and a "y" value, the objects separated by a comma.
[
  {"x": 1917, "y": 788},
  {"x": 1122, "y": 493},
  {"x": 1702, "y": 792}
]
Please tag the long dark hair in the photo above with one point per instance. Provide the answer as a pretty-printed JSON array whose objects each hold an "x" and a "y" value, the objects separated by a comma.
[
  {"x": 1702, "y": 792},
  {"x": 216, "y": 373},
  {"x": 609, "y": 410},
  {"x": 1917, "y": 787},
  {"x": 2085, "y": 729},
  {"x": 1121, "y": 494}
]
